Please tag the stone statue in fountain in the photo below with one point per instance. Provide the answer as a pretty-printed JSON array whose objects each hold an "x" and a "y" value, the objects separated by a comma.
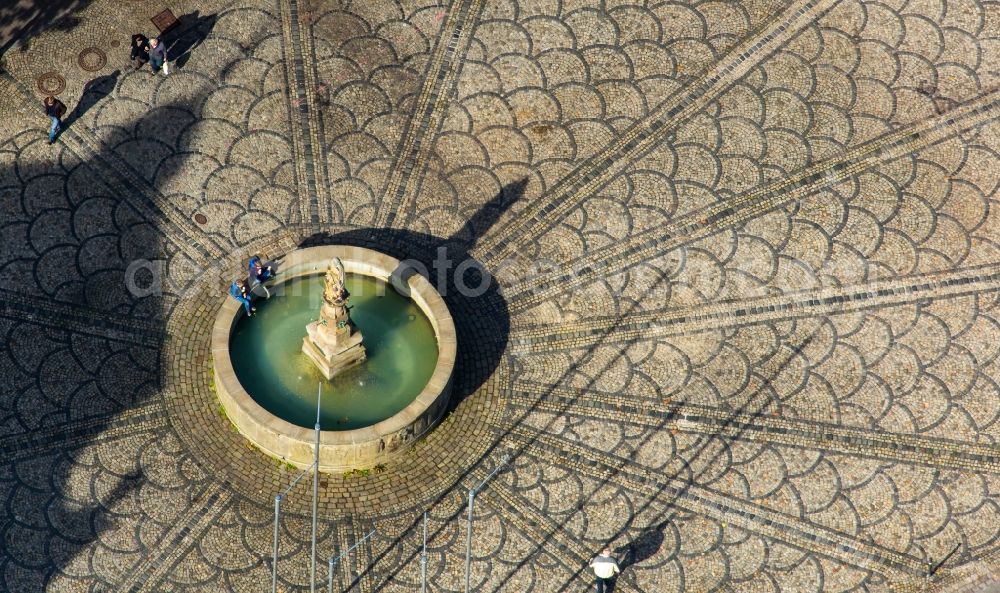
[{"x": 332, "y": 342}]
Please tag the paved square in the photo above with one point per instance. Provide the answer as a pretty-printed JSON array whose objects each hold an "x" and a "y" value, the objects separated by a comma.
[{"x": 743, "y": 315}]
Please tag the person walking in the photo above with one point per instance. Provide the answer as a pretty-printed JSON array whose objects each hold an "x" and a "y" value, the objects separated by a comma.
[
  {"x": 158, "y": 56},
  {"x": 140, "y": 51},
  {"x": 605, "y": 568},
  {"x": 55, "y": 109},
  {"x": 238, "y": 290}
]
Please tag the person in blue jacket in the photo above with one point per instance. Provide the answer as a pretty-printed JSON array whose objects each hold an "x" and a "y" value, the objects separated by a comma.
[{"x": 238, "y": 290}]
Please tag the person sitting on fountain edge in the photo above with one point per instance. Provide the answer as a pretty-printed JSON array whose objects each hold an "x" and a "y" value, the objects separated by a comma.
[
  {"x": 238, "y": 290},
  {"x": 258, "y": 271}
]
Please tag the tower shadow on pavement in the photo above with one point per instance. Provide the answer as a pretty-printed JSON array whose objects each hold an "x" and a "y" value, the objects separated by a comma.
[{"x": 21, "y": 20}]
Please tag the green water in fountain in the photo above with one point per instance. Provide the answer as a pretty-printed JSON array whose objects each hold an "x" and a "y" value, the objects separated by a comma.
[{"x": 266, "y": 351}]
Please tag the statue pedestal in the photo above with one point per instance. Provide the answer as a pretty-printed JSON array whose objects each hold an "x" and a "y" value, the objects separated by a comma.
[{"x": 333, "y": 343}]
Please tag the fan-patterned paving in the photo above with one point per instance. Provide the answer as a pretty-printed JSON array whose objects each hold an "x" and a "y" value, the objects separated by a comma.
[{"x": 744, "y": 327}]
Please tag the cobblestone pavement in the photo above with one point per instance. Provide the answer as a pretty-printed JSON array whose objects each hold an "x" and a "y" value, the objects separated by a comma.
[{"x": 743, "y": 322}]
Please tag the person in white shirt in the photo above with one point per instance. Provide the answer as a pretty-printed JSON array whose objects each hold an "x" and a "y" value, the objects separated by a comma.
[{"x": 605, "y": 568}]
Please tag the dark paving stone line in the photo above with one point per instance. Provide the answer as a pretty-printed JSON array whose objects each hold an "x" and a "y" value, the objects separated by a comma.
[
  {"x": 696, "y": 499},
  {"x": 870, "y": 443},
  {"x": 548, "y": 535},
  {"x": 354, "y": 572},
  {"x": 85, "y": 430},
  {"x": 584, "y": 181},
  {"x": 390, "y": 553},
  {"x": 123, "y": 181},
  {"x": 147, "y": 576},
  {"x": 712, "y": 316},
  {"x": 726, "y": 215},
  {"x": 403, "y": 185},
  {"x": 76, "y": 319},
  {"x": 119, "y": 178},
  {"x": 979, "y": 578},
  {"x": 316, "y": 149},
  {"x": 296, "y": 70},
  {"x": 342, "y": 538},
  {"x": 362, "y": 556}
]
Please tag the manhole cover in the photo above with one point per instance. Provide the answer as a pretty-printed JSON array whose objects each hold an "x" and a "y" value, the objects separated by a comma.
[
  {"x": 115, "y": 43},
  {"x": 51, "y": 83},
  {"x": 92, "y": 59},
  {"x": 200, "y": 218}
]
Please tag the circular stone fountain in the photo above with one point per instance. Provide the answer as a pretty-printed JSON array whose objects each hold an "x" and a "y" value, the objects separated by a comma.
[{"x": 369, "y": 412}]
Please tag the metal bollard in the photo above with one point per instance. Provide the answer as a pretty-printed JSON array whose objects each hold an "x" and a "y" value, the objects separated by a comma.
[
  {"x": 312, "y": 565},
  {"x": 472, "y": 499},
  {"x": 423, "y": 560},
  {"x": 274, "y": 556},
  {"x": 468, "y": 539}
]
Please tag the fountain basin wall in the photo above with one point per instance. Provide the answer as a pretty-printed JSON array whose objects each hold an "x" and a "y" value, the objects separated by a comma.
[{"x": 344, "y": 449}]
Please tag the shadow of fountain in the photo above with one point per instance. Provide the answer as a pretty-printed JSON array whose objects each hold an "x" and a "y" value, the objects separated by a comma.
[{"x": 480, "y": 312}]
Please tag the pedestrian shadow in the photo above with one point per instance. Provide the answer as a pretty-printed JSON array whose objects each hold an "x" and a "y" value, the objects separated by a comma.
[
  {"x": 191, "y": 32},
  {"x": 643, "y": 547},
  {"x": 93, "y": 92}
]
